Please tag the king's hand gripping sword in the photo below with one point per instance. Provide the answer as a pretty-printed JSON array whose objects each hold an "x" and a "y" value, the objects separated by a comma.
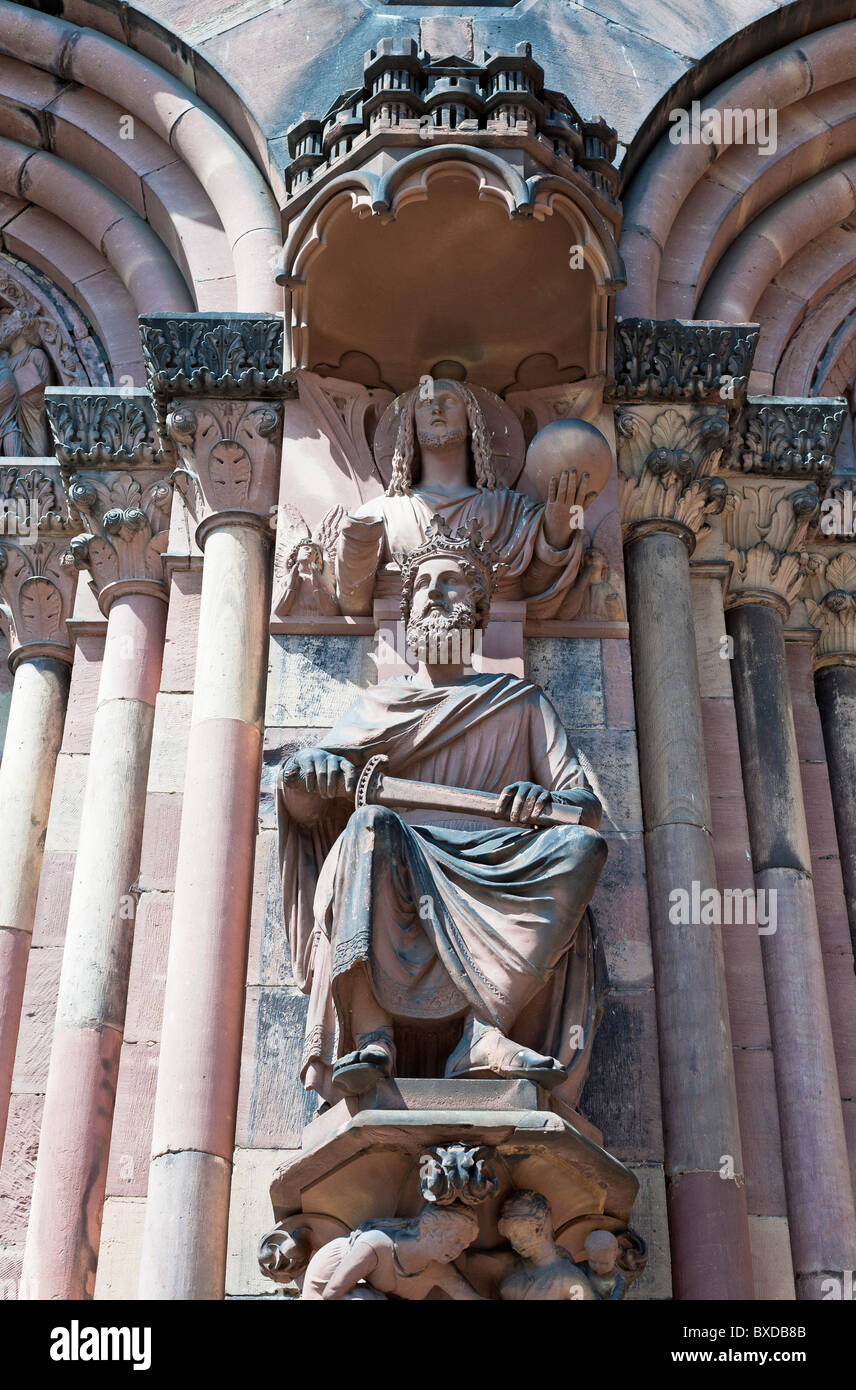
[{"x": 375, "y": 788}]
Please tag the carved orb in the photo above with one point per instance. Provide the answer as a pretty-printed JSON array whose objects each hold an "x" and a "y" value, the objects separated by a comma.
[{"x": 568, "y": 444}]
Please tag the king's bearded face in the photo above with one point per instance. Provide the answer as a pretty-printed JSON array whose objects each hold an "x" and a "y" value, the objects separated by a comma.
[
  {"x": 443, "y": 614},
  {"x": 440, "y": 417}
]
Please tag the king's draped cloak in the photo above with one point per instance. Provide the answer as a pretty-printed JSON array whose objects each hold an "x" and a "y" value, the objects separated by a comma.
[{"x": 445, "y": 913}]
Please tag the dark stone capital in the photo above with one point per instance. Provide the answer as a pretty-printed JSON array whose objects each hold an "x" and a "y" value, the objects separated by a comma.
[
  {"x": 786, "y": 438},
  {"x": 682, "y": 360}
]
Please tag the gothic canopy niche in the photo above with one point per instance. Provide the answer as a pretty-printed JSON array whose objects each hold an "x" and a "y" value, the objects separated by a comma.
[{"x": 451, "y": 212}]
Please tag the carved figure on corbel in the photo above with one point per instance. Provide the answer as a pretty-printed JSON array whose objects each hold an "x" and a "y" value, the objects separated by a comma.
[
  {"x": 830, "y": 600},
  {"x": 667, "y": 462},
  {"x": 764, "y": 528}
]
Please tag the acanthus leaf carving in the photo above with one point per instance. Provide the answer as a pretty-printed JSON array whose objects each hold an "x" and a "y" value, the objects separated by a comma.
[
  {"x": 662, "y": 360},
  {"x": 228, "y": 456},
  {"x": 764, "y": 528},
  {"x": 210, "y": 354},
  {"x": 667, "y": 461},
  {"x": 126, "y": 516},
  {"x": 791, "y": 439},
  {"x": 37, "y": 590},
  {"x": 830, "y": 600},
  {"x": 109, "y": 426}
]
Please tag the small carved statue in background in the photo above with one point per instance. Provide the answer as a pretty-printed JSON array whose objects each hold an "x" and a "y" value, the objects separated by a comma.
[
  {"x": 25, "y": 371},
  {"x": 396, "y": 1258}
]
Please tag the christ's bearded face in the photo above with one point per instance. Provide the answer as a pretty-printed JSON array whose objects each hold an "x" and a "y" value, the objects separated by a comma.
[
  {"x": 442, "y": 612},
  {"x": 440, "y": 417}
]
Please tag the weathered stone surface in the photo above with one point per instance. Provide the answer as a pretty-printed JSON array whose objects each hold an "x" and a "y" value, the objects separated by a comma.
[
  {"x": 19, "y": 1165},
  {"x": 120, "y": 1249},
  {"x": 571, "y": 674},
  {"x": 650, "y": 1220},
  {"x": 66, "y": 801},
  {"x": 54, "y": 897},
  {"x": 611, "y": 765},
  {"x": 159, "y": 854},
  {"x": 169, "y": 742},
  {"x": 620, "y": 906},
  {"x": 269, "y": 962},
  {"x": 625, "y": 1103},
  {"x": 762, "y": 1152},
  {"x": 272, "y": 1105},
  {"x": 179, "y": 652},
  {"x": 771, "y": 1258},
  {"x": 131, "y": 1142},
  {"x": 37, "y": 1020},
  {"x": 618, "y": 681},
  {"x": 312, "y": 680},
  {"x": 83, "y": 693},
  {"x": 147, "y": 978},
  {"x": 249, "y": 1218}
]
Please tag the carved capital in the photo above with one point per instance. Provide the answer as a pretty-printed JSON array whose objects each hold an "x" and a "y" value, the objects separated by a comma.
[
  {"x": 110, "y": 426},
  {"x": 125, "y": 517},
  {"x": 764, "y": 528},
  {"x": 667, "y": 460},
  {"x": 229, "y": 456},
  {"x": 37, "y": 585},
  {"x": 830, "y": 600},
  {"x": 237, "y": 356},
  {"x": 37, "y": 582},
  {"x": 674, "y": 360},
  {"x": 787, "y": 439}
]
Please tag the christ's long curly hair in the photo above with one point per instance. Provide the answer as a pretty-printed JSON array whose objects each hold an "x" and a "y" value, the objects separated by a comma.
[{"x": 404, "y": 458}]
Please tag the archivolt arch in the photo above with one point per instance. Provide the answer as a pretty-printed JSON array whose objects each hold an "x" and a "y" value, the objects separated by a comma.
[
  {"x": 122, "y": 186},
  {"x": 725, "y": 232}
]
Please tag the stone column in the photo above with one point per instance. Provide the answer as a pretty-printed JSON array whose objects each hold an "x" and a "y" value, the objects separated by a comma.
[
  {"x": 831, "y": 604},
  {"x": 668, "y": 455},
  {"x": 118, "y": 488},
  {"x": 226, "y": 426},
  {"x": 37, "y": 585},
  {"x": 765, "y": 526}
]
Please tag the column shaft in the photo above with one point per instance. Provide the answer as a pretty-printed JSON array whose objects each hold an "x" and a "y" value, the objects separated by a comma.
[
  {"x": 820, "y": 1198},
  {"x": 184, "y": 1253},
  {"x": 33, "y": 737},
  {"x": 835, "y": 689},
  {"x": 61, "y": 1253},
  {"x": 707, "y": 1211}
]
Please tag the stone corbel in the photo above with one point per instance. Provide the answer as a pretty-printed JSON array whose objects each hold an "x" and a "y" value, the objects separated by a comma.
[
  {"x": 830, "y": 600},
  {"x": 37, "y": 578},
  {"x": 116, "y": 479},
  {"x": 667, "y": 460},
  {"x": 217, "y": 386},
  {"x": 765, "y": 527}
]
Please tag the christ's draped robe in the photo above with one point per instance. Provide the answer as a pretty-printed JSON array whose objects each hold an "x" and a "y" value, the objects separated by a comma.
[
  {"x": 442, "y": 913},
  {"x": 386, "y": 527}
]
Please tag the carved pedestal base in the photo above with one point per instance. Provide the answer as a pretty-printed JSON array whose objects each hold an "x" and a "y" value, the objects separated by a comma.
[{"x": 464, "y": 1145}]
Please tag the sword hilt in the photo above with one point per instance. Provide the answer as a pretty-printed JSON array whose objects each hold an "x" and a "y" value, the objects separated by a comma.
[{"x": 369, "y": 779}]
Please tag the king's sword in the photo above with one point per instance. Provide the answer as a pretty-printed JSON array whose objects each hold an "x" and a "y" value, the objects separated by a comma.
[{"x": 375, "y": 788}]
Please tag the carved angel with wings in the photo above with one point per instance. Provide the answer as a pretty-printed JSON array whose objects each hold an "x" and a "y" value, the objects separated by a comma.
[{"x": 304, "y": 580}]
